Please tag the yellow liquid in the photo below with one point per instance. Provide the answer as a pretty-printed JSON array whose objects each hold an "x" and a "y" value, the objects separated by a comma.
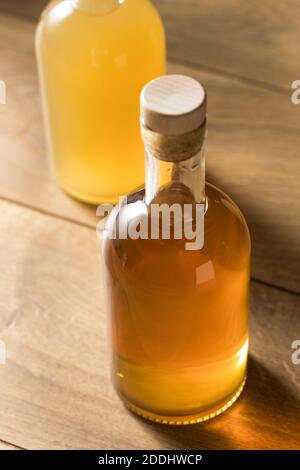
[
  {"x": 179, "y": 319},
  {"x": 94, "y": 58}
]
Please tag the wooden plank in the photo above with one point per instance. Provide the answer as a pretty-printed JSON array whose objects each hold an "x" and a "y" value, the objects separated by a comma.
[
  {"x": 252, "y": 153},
  {"x": 29, "y": 8},
  {"x": 257, "y": 40},
  {"x": 55, "y": 391},
  {"x": 6, "y": 446},
  {"x": 25, "y": 176}
]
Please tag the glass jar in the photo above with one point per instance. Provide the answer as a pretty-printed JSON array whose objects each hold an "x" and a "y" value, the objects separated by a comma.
[{"x": 94, "y": 57}]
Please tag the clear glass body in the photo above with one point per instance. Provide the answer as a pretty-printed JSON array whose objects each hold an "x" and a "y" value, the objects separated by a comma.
[
  {"x": 178, "y": 318},
  {"x": 94, "y": 58}
]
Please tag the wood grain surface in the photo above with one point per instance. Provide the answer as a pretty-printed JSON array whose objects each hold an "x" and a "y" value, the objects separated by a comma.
[
  {"x": 26, "y": 8},
  {"x": 55, "y": 391},
  {"x": 251, "y": 133},
  {"x": 5, "y": 446},
  {"x": 56, "y": 374},
  {"x": 255, "y": 40}
]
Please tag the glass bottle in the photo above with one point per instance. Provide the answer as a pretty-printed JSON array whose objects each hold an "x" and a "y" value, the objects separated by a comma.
[
  {"x": 94, "y": 58},
  {"x": 178, "y": 317}
]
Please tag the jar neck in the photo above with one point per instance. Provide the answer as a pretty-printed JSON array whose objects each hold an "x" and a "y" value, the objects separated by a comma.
[
  {"x": 100, "y": 7},
  {"x": 189, "y": 175}
]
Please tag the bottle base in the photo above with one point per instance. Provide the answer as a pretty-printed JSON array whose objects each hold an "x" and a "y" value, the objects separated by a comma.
[
  {"x": 188, "y": 419},
  {"x": 92, "y": 199}
]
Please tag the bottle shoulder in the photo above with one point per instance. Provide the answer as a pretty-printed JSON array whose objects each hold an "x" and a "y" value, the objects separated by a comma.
[
  {"x": 129, "y": 41},
  {"x": 136, "y": 16},
  {"x": 226, "y": 242},
  {"x": 229, "y": 208},
  {"x": 220, "y": 208}
]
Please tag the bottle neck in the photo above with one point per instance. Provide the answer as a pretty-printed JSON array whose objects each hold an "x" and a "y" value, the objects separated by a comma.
[
  {"x": 187, "y": 175},
  {"x": 100, "y": 7}
]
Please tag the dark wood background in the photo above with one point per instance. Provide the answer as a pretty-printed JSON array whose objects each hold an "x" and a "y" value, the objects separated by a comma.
[{"x": 55, "y": 391}]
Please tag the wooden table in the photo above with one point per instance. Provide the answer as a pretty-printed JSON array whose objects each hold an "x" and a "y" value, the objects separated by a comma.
[{"x": 55, "y": 391}]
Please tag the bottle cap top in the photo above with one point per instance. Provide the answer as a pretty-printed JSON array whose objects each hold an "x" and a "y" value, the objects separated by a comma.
[{"x": 173, "y": 105}]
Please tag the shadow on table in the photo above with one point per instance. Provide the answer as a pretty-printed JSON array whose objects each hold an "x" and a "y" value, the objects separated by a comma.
[
  {"x": 275, "y": 248},
  {"x": 263, "y": 417}
]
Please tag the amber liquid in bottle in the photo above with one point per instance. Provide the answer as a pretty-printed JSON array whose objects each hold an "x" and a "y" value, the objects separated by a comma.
[{"x": 179, "y": 318}]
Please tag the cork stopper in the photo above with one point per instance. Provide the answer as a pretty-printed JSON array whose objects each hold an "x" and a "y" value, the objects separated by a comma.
[
  {"x": 173, "y": 117},
  {"x": 173, "y": 105}
]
